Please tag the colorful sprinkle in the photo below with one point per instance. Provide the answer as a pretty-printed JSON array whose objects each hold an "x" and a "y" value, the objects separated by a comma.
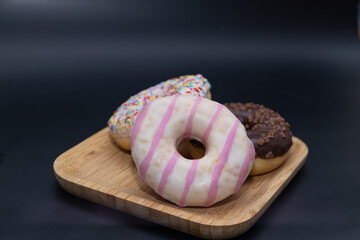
[{"x": 125, "y": 115}]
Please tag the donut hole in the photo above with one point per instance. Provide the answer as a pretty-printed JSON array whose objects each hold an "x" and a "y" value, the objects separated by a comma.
[{"x": 191, "y": 148}]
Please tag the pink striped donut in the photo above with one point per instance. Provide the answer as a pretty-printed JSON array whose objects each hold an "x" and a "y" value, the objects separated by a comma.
[{"x": 163, "y": 123}]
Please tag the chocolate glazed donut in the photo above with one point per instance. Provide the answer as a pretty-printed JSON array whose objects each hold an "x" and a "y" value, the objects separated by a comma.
[{"x": 269, "y": 132}]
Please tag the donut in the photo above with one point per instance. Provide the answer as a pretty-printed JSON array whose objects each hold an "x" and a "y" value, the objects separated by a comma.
[
  {"x": 121, "y": 122},
  {"x": 269, "y": 132},
  {"x": 164, "y": 123}
]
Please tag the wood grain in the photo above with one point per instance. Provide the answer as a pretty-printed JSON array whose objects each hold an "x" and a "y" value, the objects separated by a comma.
[{"x": 99, "y": 171}]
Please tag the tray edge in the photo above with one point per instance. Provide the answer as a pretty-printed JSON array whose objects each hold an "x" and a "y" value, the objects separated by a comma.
[{"x": 126, "y": 205}]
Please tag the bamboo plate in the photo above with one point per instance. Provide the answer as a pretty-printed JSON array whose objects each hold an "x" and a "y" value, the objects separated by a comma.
[{"x": 99, "y": 171}]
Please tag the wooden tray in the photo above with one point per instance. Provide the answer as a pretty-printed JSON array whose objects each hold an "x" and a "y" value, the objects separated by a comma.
[{"x": 99, "y": 171}]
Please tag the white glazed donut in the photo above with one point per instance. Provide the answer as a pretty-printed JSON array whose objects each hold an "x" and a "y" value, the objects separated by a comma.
[{"x": 163, "y": 123}]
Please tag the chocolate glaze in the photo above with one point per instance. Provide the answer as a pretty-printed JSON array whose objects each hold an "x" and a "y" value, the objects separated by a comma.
[{"x": 269, "y": 132}]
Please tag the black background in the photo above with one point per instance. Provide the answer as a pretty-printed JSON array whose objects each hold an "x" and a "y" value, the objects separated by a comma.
[{"x": 66, "y": 65}]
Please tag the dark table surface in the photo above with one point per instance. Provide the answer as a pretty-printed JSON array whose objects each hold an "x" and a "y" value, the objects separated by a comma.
[{"x": 66, "y": 65}]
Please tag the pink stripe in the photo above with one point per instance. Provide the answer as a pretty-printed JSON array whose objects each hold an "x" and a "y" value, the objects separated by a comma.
[
  {"x": 167, "y": 171},
  {"x": 138, "y": 122},
  {"x": 245, "y": 167},
  {"x": 189, "y": 179},
  {"x": 145, "y": 163},
  {"x": 210, "y": 126},
  {"x": 220, "y": 165},
  {"x": 191, "y": 173},
  {"x": 188, "y": 128}
]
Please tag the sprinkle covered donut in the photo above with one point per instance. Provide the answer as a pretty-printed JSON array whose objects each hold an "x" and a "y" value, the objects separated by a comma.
[
  {"x": 160, "y": 127},
  {"x": 121, "y": 122}
]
